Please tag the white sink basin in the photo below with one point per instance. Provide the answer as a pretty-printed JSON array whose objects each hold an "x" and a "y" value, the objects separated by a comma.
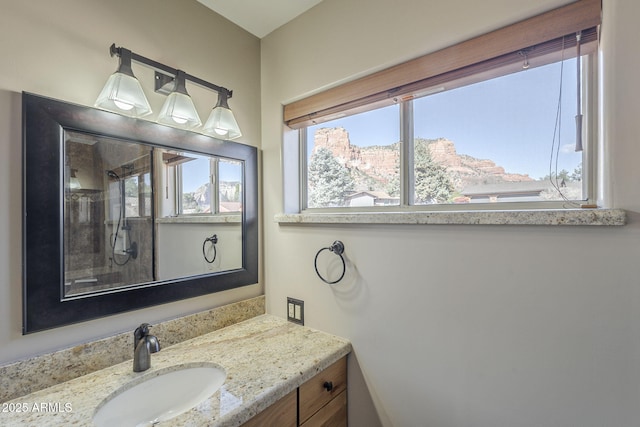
[{"x": 159, "y": 396}]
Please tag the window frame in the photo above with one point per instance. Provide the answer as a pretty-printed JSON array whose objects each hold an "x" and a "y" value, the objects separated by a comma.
[
  {"x": 544, "y": 35},
  {"x": 212, "y": 185},
  {"x": 214, "y": 188},
  {"x": 218, "y": 181},
  {"x": 589, "y": 78}
]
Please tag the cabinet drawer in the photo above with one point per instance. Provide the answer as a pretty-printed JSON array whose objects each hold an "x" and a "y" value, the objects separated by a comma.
[
  {"x": 281, "y": 414},
  {"x": 334, "y": 414},
  {"x": 319, "y": 390}
]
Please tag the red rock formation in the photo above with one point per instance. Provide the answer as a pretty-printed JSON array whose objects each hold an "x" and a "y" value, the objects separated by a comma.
[{"x": 380, "y": 163}]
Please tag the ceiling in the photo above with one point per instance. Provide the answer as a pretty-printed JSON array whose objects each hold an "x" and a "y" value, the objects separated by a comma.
[{"x": 259, "y": 17}]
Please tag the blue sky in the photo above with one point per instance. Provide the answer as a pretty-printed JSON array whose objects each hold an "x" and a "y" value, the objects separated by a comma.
[{"x": 510, "y": 120}]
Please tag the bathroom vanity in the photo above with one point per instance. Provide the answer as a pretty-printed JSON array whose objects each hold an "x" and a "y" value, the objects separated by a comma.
[
  {"x": 321, "y": 401},
  {"x": 273, "y": 368}
]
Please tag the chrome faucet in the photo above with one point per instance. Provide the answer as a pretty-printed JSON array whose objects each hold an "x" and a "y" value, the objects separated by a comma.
[{"x": 143, "y": 345}]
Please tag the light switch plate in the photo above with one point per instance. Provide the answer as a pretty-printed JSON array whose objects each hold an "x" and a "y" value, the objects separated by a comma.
[{"x": 295, "y": 310}]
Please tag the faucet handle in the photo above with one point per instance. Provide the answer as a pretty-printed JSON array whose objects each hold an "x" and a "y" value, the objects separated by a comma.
[
  {"x": 143, "y": 345},
  {"x": 140, "y": 332}
]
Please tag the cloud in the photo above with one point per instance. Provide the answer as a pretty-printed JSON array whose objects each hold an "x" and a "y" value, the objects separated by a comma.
[{"x": 568, "y": 148}]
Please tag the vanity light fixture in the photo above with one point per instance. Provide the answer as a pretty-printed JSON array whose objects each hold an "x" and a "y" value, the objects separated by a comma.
[
  {"x": 178, "y": 110},
  {"x": 74, "y": 182},
  {"x": 221, "y": 122},
  {"x": 123, "y": 93}
]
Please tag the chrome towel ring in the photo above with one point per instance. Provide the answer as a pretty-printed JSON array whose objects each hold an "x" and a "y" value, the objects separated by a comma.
[
  {"x": 213, "y": 240},
  {"x": 337, "y": 248}
]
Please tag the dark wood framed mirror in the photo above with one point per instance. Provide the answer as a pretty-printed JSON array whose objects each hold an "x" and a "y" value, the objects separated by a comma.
[{"x": 111, "y": 219}]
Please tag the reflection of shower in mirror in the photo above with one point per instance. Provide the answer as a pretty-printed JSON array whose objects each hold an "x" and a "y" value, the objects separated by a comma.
[{"x": 119, "y": 242}]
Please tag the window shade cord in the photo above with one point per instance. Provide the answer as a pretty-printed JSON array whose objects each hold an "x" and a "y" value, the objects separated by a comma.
[{"x": 579, "y": 99}]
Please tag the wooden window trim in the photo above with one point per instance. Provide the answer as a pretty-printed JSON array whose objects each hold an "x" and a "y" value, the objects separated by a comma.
[{"x": 495, "y": 53}]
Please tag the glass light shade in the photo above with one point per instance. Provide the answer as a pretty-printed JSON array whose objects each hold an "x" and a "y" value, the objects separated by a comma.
[
  {"x": 74, "y": 183},
  {"x": 123, "y": 94},
  {"x": 179, "y": 111},
  {"x": 222, "y": 124}
]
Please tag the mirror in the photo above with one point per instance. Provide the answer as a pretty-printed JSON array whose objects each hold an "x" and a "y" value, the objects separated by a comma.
[
  {"x": 135, "y": 213},
  {"x": 121, "y": 213}
]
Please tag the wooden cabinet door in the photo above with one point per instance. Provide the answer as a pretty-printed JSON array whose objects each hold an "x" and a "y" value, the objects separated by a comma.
[
  {"x": 321, "y": 389},
  {"x": 334, "y": 414},
  {"x": 283, "y": 413}
]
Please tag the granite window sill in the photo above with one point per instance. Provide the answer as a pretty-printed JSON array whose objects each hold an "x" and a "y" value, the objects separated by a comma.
[
  {"x": 599, "y": 217},
  {"x": 200, "y": 219}
]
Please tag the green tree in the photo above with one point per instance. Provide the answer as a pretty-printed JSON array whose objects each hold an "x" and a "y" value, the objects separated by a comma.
[
  {"x": 563, "y": 175},
  {"x": 393, "y": 186},
  {"x": 189, "y": 202},
  {"x": 577, "y": 173},
  {"x": 432, "y": 182},
  {"x": 131, "y": 187},
  {"x": 329, "y": 181}
]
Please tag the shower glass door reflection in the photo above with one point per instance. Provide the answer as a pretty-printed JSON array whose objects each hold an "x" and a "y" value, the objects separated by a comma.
[{"x": 108, "y": 214}]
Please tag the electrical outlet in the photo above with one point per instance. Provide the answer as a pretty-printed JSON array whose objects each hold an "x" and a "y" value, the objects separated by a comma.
[
  {"x": 290, "y": 309},
  {"x": 295, "y": 310}
]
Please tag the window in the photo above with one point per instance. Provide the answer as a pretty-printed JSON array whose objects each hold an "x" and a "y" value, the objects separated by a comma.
[
  {"x": 507, "y": 139},
  {"x": 230, "y": 186},
  {"x": 195, "y": 178},
  {"x": 354, "y": 161},
  {"x": 208, "y": 185},
  {"x": 137, "y": 190},
  {"x": 495, "y": 130},
  {"x": 494, "y": 141}
]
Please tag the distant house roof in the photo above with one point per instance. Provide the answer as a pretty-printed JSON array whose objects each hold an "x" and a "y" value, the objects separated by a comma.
[
  {"x": 506, "y": 188},
  {"x": 371, "y": 198},
  {"x": 372, "y": 194},
  {"x": 230, "y": 206}
]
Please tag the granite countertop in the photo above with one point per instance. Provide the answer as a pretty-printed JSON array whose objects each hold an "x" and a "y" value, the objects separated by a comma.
[{"x": 265, "y": 358}]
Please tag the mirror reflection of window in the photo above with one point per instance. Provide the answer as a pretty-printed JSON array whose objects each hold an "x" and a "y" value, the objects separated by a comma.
[
  {"x": 138, "y": 195},
  {"x": 208, "y": 193},
  {"x": 230, "y": 186},
  {"x": 195, "y": 185},
  {"x": 209, "y": 185},
  {"x": 132, "y": 206},
  {"x": 145, "y": 192}
]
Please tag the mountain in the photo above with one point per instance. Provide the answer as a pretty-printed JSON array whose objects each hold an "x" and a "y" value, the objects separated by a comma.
[
  {"x": 199, "y": 200},
  {"x": 379, "y": 164}
]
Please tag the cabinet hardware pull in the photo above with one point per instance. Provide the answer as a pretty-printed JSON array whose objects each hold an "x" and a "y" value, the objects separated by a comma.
[{"x": 328, "y": 385}]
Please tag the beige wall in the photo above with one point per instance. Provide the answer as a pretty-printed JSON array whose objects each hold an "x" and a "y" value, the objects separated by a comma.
[
  {"x": 60, "y": 49},
  {"x": 451, "y": 325},
  {"x": 458, "y": 326}
]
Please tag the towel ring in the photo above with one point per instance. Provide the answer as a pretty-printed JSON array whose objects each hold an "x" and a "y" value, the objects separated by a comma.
[
  {"x": 337, "y": 248},
  {"x": 213, "y": 240}
]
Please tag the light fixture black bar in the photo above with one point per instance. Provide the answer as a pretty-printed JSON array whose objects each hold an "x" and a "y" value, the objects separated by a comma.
[{"x": 157, "y": 66}]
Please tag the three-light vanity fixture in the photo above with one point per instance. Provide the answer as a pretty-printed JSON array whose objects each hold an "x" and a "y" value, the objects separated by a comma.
[{"x": 123, "y": 94}]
